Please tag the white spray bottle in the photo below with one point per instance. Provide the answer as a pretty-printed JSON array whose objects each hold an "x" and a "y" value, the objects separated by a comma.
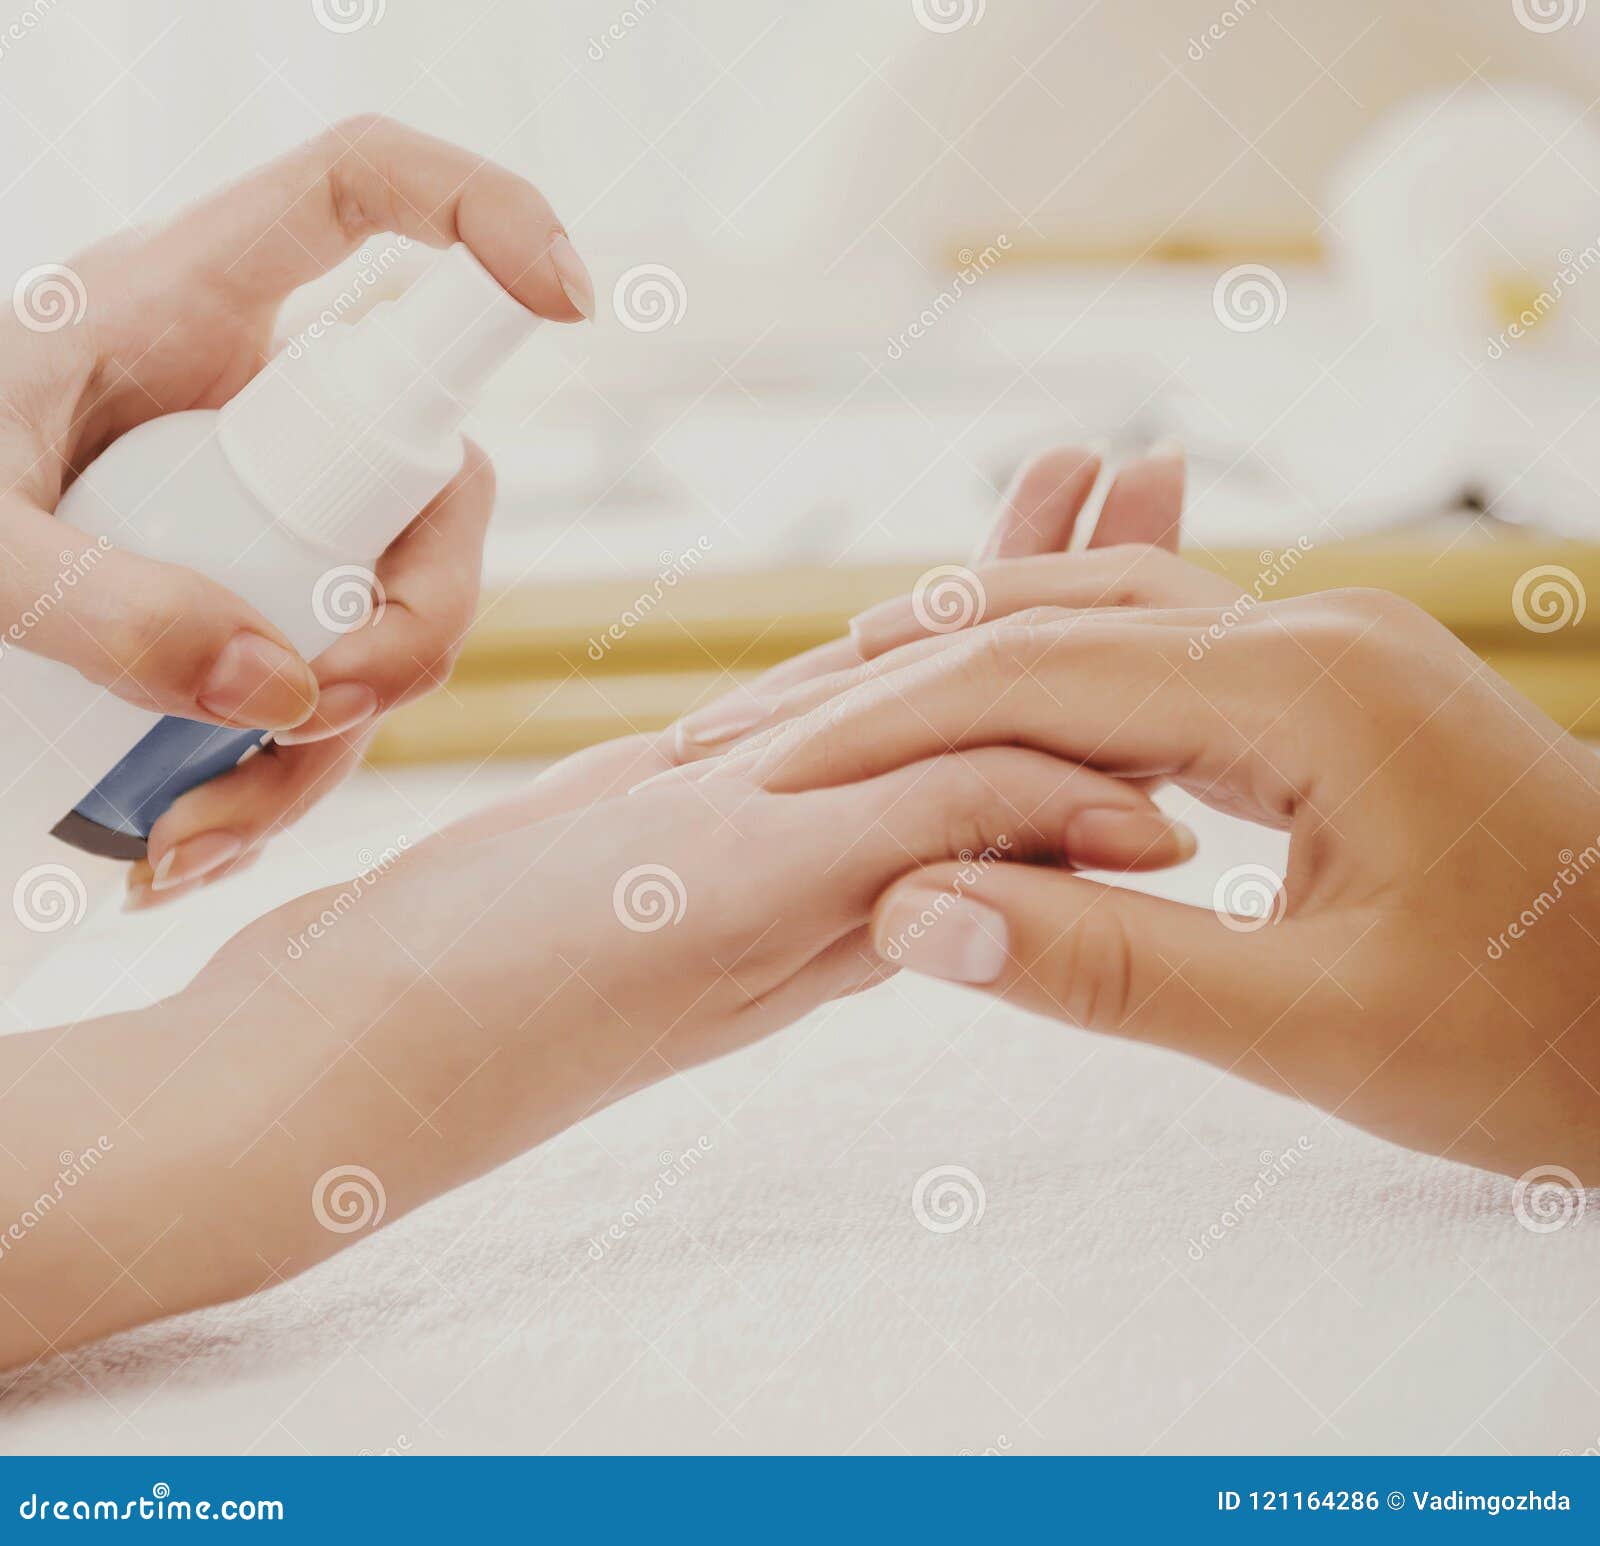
[{"x": 287, "y": 495}]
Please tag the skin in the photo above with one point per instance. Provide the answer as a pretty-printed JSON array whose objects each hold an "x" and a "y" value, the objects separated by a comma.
[
  {"x": 181, "y": 318},
  {"x": 1428, "y": 806},
  {"x": 485, "y": 993}
]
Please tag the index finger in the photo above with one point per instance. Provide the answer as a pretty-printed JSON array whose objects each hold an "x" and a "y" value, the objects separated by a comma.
[
  {"x": 1129, "y": 695},
  {"x": 298, "y": 216}
]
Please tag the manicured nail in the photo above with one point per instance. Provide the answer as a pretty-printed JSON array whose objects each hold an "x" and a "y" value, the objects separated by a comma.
[
  {"x": 574, "y": 276},
  {"x": 1118, "y": 837},
  {"x": 339, "y": 708},
  {"x": 885, "y": 623},
  {"x": 721, "y": 721},
  {"x": 257, "y": 683},
  {"x": 943, "y": 935},
  {"x": 194, "y": 857}
]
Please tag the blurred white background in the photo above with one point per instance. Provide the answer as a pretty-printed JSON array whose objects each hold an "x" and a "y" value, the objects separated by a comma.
[{"x": 811, "y": 177}]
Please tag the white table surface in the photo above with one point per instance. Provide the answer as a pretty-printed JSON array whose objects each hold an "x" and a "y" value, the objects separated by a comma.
[{"x": 783, "y": 1295}]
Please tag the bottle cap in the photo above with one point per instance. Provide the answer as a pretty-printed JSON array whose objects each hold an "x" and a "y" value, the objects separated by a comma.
[{"x": 346, "y": 436}]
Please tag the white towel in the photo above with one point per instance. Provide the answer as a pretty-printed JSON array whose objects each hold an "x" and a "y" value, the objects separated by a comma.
[{"x": 780, "y": 1293}]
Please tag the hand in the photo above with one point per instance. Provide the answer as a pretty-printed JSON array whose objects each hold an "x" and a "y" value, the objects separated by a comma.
[
  {"x": 1028, "y": 535},
  {"x": 1022, "y": 560},
  {"x": 1396, "y": 981},
  {"x": 413, "y": 1029},
  {"x": 180, "y": 319}
]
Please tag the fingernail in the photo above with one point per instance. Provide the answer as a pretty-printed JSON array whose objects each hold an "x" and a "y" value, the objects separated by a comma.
[
  {"x": 574, "y": 276},
  {"x": 943, "y": 935},
  {"x": 194, "y": 857},
  {"x": 258, "y": 684},
  {"x": 871, "y": 628},
  {"x": 721, "y": 721},
  {"x": 1167, "y": 449},
  {"x": 1116, "y": 837},
  {"x": 339, "y": 708}
]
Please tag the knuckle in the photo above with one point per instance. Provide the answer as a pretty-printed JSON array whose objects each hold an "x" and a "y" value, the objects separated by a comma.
[
  {"x": 971, "y": 807},
  {"x": 1347, "y": 629},
  {"x": 1139, "y": 569},
  {"x": 1035, "y": 616},
  {"x": 146, "y": 638},
  {"x": 1366, "y": 605},
  {"x": 1371, "y": 661},
  {"x": 349, "y": 151},
  {"x": 1088, "y": 971},
  {"x": 1003, "y": 649},
  {"x": 351, "y": 131}
]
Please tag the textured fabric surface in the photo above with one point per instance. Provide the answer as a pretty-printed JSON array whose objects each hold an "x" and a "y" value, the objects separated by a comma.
[{"x": 780, "y": 1292}]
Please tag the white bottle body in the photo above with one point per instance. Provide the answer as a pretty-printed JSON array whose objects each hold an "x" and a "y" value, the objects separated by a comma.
[{"x": 165, "y": 490}]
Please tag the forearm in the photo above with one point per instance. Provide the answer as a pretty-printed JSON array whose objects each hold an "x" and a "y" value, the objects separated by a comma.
[{"x": 189, "y": 1153}]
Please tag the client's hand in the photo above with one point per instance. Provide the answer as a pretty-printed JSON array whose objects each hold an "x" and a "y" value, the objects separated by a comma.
[
  {"x": 1421, "y": 973},
  {"x": 1138, "y": 527},
  {"x": 405, "y": 1032}
]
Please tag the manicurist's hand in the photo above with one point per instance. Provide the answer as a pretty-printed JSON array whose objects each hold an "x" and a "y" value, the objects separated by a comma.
[
  {"x": 181, "y": 318},
  {"x": 1396, "y": 981},
  {"x": 369, "y": 1046}
]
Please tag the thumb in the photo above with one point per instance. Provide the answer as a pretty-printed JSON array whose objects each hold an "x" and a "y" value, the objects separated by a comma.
[
  {"x": 161, "y": 636},
  {"x": 1098, "y": 956}
]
